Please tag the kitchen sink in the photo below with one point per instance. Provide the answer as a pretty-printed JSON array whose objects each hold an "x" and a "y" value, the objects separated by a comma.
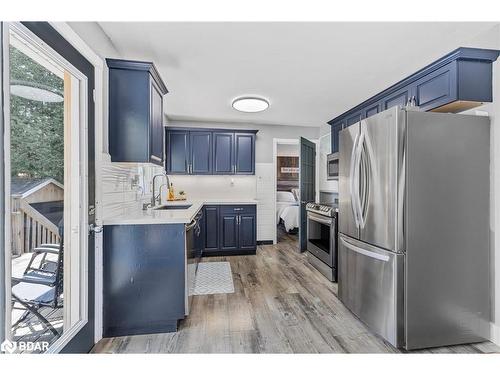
[{"x": 173, "y": 207}]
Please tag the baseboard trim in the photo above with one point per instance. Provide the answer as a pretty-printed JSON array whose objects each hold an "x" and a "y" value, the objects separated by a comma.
[
  {"x": 495, "y": 333},
  {"x": 265, "y": 242}
]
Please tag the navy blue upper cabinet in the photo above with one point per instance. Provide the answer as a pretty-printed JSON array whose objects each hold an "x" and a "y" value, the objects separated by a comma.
[
  {"x": 223, "y": 153},
  {"x": 201, "y": 152},
  {"x": 398, "y": 98},
  {"x": 244, "y": 153},
  {"x": 178, "y": 152},
  {"x": 336, "y": 128},
  {"x": 135, "y": 112},
  {"x": 437, "y": 88},
  {"x": 458, "y": 81},
  {"x": 210, "y": 151},
  {"x": 371, "y": 110}
]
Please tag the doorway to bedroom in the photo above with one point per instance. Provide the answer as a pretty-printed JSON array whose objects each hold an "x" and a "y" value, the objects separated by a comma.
[{"x": 287, "y": 170}]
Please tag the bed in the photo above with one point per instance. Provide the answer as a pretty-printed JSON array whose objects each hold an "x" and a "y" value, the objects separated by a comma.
[{"x": 287, "y": 209}]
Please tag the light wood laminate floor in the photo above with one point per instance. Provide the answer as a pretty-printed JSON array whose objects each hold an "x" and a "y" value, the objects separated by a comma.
[{"x": 281, "y": 304}]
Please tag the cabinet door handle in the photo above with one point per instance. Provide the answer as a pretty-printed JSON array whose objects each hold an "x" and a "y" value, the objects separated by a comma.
[{"x": 238, "y": 219}]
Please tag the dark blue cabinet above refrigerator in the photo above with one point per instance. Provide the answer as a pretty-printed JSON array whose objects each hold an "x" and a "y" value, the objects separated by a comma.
[
  {"x": 198, "y": 151},
  {"x": 135, "y": 119},
  {"x": 458, "y": 81}
]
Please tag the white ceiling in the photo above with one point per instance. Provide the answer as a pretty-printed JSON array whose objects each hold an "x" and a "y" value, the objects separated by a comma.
[{"x": 310, "y": 72}]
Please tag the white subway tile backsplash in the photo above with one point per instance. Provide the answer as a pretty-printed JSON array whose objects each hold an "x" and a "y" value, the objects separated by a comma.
[{"x": 127, "y": 185}]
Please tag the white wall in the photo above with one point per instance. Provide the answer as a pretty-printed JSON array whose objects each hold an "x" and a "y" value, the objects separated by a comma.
[
  {"x": 96, "y": 38},
  {"x": 287, "y": 150}
]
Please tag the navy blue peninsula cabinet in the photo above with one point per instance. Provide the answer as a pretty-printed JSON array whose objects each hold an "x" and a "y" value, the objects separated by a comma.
[
  {"x": 135, "y": 119},
  {"x": 199, "y": 151},
  {"x": 144, "y": 278},
  {"x": 456, "y": 82}
]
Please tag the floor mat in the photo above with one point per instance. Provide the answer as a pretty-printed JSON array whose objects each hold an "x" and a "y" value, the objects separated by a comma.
[{"x": 213, "y": 278}]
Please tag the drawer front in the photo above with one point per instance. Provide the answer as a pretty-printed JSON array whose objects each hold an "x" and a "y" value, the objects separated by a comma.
[
  {"x": 238, "y": 210},
  {"x": 371, "y": 285}
]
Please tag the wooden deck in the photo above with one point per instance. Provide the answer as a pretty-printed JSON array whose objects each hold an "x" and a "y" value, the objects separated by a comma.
[
  {"x": 281, "y": 304},
  {"x": 31, "y": 330}
]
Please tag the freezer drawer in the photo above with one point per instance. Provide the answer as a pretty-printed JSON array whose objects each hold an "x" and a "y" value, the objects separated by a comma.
[{"x": 371, "y": 286}]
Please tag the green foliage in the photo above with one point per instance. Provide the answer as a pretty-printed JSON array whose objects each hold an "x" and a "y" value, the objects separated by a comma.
[{"x": 37, "y": 128}]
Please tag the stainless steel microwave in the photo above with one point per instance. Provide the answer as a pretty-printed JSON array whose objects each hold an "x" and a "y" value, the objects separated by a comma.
[{"x": 332, "y": 166}]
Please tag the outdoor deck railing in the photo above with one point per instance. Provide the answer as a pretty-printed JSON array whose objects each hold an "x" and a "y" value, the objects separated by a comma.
[{"x": 30, "y": 229}]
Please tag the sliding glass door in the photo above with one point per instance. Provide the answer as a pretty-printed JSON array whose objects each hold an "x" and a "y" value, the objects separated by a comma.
[{"x": 48, "y": 192}]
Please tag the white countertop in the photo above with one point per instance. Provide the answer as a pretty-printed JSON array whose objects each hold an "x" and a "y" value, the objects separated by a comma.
[{"x": 179, "y": 216}]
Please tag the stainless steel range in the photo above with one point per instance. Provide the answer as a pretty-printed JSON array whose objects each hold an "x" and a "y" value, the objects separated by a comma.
[{"x": 322, "y": 239}]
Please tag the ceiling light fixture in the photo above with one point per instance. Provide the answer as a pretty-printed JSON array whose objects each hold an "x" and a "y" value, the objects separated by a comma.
[{"x": 250, "y": 104}]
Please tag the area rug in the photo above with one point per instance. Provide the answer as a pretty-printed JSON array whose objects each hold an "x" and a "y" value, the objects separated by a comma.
[{"x": 213, "y": 278}]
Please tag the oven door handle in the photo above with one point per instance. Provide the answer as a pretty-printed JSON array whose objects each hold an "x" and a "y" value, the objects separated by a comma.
[{"x": 319, "y": 218}]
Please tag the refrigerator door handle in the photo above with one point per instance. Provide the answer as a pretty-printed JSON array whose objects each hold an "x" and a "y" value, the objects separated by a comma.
[
  {"x": 365, "y": 168},
  {"x": 353, "y": 186},
  {"x": 364, "y": 252},
  {"x": 357, "y": 167}
]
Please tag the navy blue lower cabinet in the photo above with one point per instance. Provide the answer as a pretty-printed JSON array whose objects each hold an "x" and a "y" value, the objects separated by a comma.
[
  {"x": 144, "y": 278},
  {"x": 230, "y": 230},
  {"x": 228, "y": 227},
  {"x": 211, "y": 229},
  {"x": 247, "y": 231}
]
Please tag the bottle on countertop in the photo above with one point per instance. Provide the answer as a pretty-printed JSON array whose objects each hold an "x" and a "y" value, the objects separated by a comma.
[{"x": 171, "y": 193}]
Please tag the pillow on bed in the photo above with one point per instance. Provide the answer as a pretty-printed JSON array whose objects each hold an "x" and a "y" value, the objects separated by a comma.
[{"x": 285, "y": 196}]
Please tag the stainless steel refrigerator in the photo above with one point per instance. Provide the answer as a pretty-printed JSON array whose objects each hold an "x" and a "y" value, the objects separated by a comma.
[{"x": 414, "y": 226}]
